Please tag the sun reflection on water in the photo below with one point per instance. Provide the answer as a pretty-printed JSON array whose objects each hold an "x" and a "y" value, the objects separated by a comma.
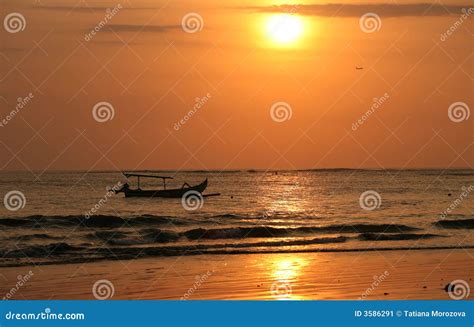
[
  {"x": 285, "y": 197},
  {"x": 285, "y": 273}
]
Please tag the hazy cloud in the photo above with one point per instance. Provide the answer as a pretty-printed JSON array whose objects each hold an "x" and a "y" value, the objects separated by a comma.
[
  {"x": 357, "y": 10},
  {"x": 142, "y": 28},
  {"x": 87, "y": 9}
]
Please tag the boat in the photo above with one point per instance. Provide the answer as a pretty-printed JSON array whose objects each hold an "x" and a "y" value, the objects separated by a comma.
[{"x": 164, "y": 193}]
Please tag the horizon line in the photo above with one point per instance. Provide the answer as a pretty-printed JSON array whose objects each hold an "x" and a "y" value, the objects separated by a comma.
[{"x": 232, "y": 170}]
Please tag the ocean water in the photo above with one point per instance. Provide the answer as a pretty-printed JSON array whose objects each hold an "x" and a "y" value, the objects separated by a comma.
[{"x": 64, "y": 217}]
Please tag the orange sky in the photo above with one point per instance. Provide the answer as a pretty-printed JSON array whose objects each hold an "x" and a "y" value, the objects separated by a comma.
[{"x": 151, "y": 71}]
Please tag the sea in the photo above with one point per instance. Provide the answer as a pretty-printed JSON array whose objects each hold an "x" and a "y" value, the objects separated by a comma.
[{"x": 71, "y": 217}]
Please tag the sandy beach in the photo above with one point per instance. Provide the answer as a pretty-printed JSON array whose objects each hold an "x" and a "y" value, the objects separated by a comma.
[{"x": 420, "y": 274}]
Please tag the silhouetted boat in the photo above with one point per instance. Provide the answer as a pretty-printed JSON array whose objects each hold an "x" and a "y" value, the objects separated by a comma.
[{"x": 164, "y": 193}]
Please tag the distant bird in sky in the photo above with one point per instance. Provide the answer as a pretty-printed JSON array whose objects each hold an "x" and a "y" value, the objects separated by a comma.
[{"x": 359, "y": 68}]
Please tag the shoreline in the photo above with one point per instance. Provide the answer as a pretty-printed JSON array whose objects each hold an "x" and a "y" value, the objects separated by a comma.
[
  {"x": 190, "y": 253},
  {"x": 391, "y": 275}
]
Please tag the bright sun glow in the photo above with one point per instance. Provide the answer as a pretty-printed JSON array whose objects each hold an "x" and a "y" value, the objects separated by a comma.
[{"x": 284, "y": 29}]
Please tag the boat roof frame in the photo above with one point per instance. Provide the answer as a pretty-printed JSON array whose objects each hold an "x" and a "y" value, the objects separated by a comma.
[{"x": 127, "y": 175}]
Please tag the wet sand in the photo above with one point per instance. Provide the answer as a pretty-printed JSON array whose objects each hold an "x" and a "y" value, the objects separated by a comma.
[{"x": 369, "y": 275}]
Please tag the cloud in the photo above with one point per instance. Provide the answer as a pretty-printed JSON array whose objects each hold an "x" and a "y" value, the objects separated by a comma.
[
  {"x": 357, "y": 10},
  {"x": 142, "y": 28},
  {"x": 87, "y": 9}
]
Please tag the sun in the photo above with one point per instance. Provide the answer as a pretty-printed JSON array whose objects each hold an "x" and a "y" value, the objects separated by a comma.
[{"x": 284, "y": 29}]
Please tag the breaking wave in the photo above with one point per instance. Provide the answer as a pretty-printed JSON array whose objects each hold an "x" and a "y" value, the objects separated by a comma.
[{"x": 456, "y": 224}]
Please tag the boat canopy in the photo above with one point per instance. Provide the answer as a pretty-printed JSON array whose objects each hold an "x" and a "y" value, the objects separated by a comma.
[{"x": 138, "y": 175}]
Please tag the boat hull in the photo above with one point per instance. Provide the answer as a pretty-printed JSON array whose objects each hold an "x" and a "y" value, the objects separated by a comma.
[{"x": 172, "y": 193}]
